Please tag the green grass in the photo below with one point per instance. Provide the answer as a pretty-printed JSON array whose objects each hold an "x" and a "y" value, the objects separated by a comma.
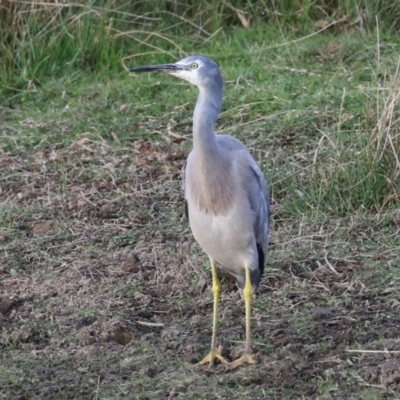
[
  {"x": 62, "y": 40},
  {"x": 103, "y": 293},
  {"x": 317, "y": 102}
]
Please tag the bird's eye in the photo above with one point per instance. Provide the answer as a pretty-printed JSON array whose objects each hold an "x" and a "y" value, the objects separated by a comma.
[{"x": 194, "y": 66}]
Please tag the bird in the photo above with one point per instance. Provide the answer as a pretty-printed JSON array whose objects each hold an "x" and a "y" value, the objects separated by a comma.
[{"x": 227, "y": 200}]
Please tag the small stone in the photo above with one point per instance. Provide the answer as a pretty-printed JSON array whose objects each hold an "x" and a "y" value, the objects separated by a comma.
[
  {"x": 321, "y": 313},
  {"x": 5, "y": 306}
]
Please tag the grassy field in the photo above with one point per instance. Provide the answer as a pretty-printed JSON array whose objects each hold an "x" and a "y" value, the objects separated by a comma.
[{"x": 103, "y": 292}]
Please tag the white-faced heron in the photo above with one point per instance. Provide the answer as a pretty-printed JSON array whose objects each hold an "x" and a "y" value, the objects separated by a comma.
[{"x": 226, "y": 194}]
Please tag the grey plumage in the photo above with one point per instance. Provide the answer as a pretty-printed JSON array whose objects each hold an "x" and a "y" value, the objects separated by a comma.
[
  {"x": 226, "y": 193},
  {"x": 228, "y": 207}
]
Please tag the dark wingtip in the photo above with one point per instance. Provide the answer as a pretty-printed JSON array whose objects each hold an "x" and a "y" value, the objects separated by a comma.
[
  {"x": 261, "y": 259},
  {"x": 187, "y": 210},
  {"x": 255, "y": 275}
]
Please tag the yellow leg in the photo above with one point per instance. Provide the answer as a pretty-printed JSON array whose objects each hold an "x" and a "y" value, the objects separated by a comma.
[
  {"x": 215, "y": 352},
  {"x": 247, "y": 292}
]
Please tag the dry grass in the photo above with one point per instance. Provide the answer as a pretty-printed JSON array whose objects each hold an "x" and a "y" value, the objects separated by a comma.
[
  {"x": 102, "y": 286},
  {"x": 105, "y": 294},
  {"x": 70, "y": 32},
  {"x": 386, "y": 134}
]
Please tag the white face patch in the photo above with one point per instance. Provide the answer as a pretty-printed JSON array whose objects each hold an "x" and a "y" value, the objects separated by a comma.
[{"x": 189, "y": 74}]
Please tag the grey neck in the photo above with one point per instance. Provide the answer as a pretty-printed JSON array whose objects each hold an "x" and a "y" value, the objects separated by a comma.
[{"x": 204, "y": 118}]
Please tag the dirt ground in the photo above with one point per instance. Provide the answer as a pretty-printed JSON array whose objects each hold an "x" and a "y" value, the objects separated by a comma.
[{"x": 104, "y": 294}]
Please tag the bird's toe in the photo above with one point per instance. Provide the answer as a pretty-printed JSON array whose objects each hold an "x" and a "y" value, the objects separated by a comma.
[
  {"x": 211, "y": 357},
  {"x": 246, "y": 358}
]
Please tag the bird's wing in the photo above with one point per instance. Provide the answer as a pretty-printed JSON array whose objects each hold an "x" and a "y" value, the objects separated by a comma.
[
  {"x": 259, "y": 202},
  {"x": 184, "y": 188},
  {"x": 258, "y": 191}
]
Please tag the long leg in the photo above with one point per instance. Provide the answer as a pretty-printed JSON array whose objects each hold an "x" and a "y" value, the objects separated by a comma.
[
  {"x": 215, "y": 353},
  {"x": 247, "y": 292}
]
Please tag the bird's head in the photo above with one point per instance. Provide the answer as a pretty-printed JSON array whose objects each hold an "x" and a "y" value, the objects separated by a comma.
[{"x": 198, "y": 70}]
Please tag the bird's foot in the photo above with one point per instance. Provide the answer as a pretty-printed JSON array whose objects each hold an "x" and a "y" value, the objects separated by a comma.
[
  {"x": 211, "y": 357},
  {"x": 245, "y": 359}
]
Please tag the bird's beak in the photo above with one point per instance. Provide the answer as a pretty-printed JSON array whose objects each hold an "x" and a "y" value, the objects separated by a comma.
[{"x": 168, "y": 68}]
